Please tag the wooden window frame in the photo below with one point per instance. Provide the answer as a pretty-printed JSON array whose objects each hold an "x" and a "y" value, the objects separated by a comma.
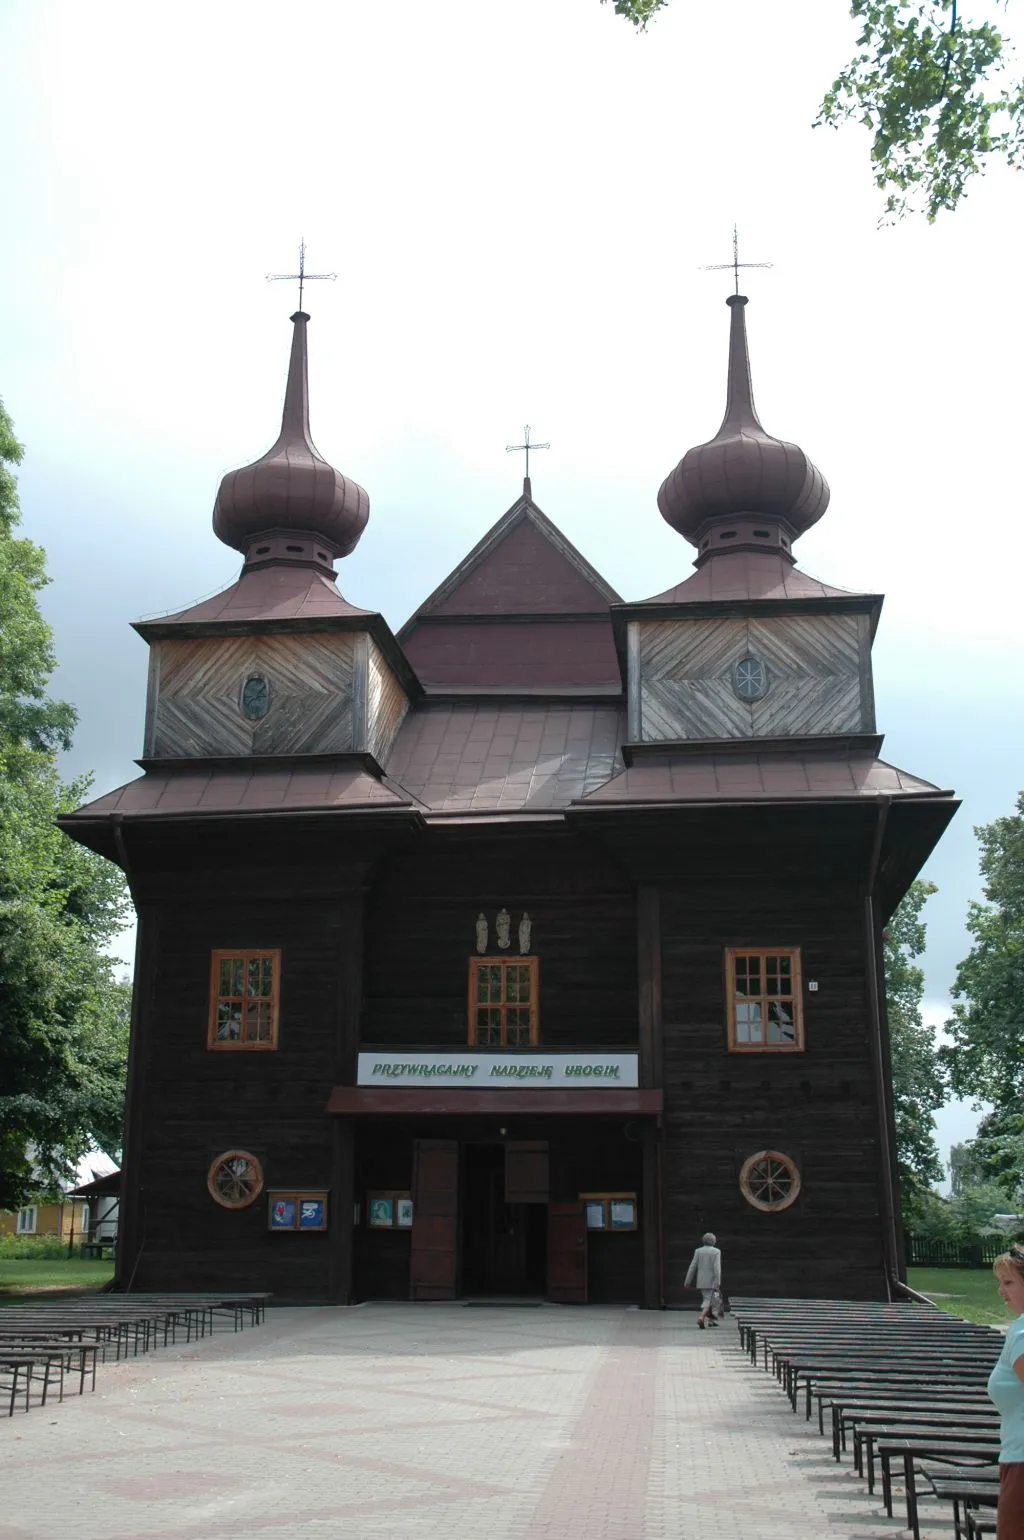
[
  {"x": 533, "y": 965},
  {"x": 241, "y": 1044},
  {"x": 792, "y": 1171},
  {"x": 31, "y": 1226},
  {"x": 796, "y": 974},
  {"x": 249, "y": 1197}
]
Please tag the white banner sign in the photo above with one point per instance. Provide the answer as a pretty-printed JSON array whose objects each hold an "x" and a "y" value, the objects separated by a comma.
[{"x": 574, "y": 1071}]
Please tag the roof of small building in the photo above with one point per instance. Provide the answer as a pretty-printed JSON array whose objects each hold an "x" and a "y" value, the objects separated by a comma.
[{"x": 752, "y": 776}]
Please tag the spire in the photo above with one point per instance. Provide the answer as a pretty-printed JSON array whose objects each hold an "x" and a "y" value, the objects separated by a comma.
[
  {"x": 740, "y": 412},
  {"x": 290, "y": 505},
  {"x": 743, "y": 489}
]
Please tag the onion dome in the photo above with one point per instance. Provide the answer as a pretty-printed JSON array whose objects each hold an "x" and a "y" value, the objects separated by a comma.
[
  {"x": 290, "y": 505},
  {"x": 743, "y": 489}
]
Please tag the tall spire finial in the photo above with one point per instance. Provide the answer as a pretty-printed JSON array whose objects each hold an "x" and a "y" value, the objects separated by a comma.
[
  {"x": 527, "y": 446},
  {"x": 301, "y": 277},
  {"x": 735, "y": 264}
]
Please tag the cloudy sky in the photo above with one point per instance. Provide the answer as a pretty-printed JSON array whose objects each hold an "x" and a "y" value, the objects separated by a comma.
[{"x": 517, "y": 197}]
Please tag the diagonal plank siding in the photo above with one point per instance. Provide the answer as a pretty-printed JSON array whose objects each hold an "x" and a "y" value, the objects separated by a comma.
[
  {"x": 818, "y": 671},
  {"x": 196, "y": 686},
  {"x": 386, "y": 705}
]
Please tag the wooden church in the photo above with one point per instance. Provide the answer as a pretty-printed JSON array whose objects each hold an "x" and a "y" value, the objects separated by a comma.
[{"x": 505, "y": 956}]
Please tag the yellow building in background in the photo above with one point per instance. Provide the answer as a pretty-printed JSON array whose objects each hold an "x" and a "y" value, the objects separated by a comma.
[{"x": 67, "y": 1220}]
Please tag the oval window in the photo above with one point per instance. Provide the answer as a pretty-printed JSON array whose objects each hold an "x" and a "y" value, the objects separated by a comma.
[
  {"x": 770, "y": 1181},
  {"x": 235, "y": 1179},
  {"x": 255, "y": 698},
  {"x": 750, "y": 679}
]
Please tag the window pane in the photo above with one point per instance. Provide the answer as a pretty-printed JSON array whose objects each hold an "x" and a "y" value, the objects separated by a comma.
[
  {"x": 748, "y": 1022},
  {"x": 781, "y": 1027},
  {"x": 496, "y": 982},
  {"x": 260, "y": 977},
  {"x": 489, "y": 1036},
  {"x": 229, "y": 1021},
  {"x": 231, "y": 973},
  {"x": 257, "y": 1022}
]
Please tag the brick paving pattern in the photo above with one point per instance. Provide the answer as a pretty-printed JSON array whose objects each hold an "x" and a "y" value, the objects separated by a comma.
[{"x": 438, "y": 1422}]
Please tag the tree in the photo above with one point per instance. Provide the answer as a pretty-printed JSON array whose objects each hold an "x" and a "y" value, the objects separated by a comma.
[
  {"x": 932, "y": 89},
  {"x": 918, "y": 1086},
  {"x": 986, "y": 1055},
  {"x": 63, "y": 1015}
]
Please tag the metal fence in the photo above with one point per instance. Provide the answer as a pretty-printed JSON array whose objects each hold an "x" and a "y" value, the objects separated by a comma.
[{"x": 930, "y": 1253}]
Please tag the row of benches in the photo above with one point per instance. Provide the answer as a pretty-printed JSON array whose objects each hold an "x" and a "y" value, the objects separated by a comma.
[
  {"x": 903, "y": 1387},
  {"x": 45, "y": 1344}
]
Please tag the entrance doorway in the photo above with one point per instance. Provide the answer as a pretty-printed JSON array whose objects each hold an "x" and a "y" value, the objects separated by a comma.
[{"x": 504, "y": 1245}]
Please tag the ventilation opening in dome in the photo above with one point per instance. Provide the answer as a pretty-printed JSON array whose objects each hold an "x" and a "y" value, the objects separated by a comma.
[
  {"x": 785, "y": 542},
  {"x": 704, "y": 544},
  {"x": 261, "y": 550},
  {"x": 727, "y": 534},
  {"x": 297, "y": 548},
  {"x": 323, "y": 555},
  {"x": 762, "y": 534}
]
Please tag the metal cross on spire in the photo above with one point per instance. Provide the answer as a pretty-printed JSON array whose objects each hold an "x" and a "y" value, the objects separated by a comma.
[
  {"x": 735, "y": 264},
  {"x": 525, "y": 446},
  {"x": 301, "y": 277}
]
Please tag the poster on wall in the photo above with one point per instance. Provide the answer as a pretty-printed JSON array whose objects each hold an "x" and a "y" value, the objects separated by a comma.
[
  {"x": 297, "y": 1211},
  {"x": 389, "y": 1210},
  {"x": 381, "y": 1212}
]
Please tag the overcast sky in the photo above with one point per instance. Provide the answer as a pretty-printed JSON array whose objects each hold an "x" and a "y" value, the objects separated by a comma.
[{"x": 517, "y": 197}]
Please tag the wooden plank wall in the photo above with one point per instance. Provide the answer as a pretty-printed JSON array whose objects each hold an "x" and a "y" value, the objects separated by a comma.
[
  {"x": 196, "y": 1104},
  {"x": 421, "y": 920},
  {"x": 196, "y": 688},
  {"x": 819, "y": 672},
  {"x": 817, "y": 1107}
]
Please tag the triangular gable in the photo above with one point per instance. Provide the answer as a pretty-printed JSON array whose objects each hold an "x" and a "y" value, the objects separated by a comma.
[{"x": 524, "y": 565}]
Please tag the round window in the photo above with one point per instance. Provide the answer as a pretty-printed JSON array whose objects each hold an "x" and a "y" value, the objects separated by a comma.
[
  {"x": 750, "y": 679},
  {"x": 235, "y": 1179},
  {"x": 770, "y": 1181},
  {"x": 255, "y": 698}
]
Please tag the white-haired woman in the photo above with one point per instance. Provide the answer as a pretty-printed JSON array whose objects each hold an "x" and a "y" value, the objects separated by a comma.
[
  {"x": 705, "y": 1271},
  {"x": 1006, "y": 1387}
]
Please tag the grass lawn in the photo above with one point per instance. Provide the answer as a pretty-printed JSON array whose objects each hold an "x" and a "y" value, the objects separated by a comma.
[
  {"x": 971, "y": 1292},
  {"x": 20, "y": 1277}
]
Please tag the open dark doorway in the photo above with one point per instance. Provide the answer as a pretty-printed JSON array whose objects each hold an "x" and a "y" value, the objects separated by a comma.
[{"x": 504, "y": 1245}]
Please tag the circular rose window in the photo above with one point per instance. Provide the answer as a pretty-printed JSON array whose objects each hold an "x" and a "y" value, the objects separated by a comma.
[
  {"x": 770, "y": 1181},
  {"x": 235, "y": 1179}
]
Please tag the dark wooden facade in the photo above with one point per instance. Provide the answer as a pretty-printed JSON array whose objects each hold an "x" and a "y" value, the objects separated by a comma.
[{"x": 529, "y": 745}]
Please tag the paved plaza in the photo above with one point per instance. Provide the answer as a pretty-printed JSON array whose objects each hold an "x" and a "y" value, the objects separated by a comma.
[{"x": 443, "y": 1422}]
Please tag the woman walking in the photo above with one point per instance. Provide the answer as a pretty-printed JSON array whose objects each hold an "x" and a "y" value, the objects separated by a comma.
[
  {"x": 1006, "y": 1387},
  {"x": 705, "y": 1270}
]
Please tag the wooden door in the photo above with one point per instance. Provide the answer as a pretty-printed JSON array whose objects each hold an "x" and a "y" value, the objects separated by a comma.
[
  {"x": 526, "y": 1171},
  {"x": 567, "y": 1253},
  {"x": 435, "y": 1228}
]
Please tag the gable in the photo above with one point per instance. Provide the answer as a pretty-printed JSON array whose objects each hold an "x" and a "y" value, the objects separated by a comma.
[{"x": 523, "y": 566}]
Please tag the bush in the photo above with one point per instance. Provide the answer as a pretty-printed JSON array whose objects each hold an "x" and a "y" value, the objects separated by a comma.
[{"x": 33, "y": 1248}]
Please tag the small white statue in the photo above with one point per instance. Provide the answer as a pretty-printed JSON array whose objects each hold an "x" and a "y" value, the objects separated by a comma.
[
  {"x": 524, "y": 933},
  {"x": 481, "y": 932},
  {"x": 503, "y": 929}
]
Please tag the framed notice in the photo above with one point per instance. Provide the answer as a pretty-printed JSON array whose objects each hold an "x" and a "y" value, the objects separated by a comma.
[
  {"x": 610, "y": 1210},
  {"x": 389, "y": 1210},
  {"x": 297, "y": 1211}
]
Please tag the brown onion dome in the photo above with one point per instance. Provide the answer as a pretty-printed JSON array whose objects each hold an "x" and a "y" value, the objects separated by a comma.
[
  {"x": 743, "y": 478},
  {"x": 297, "y": 505}
]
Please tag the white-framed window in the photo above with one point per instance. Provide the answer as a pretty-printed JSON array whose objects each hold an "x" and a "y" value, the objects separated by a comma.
[
  {"x": 27, "y": 1220},
  {"x": 83, "y": 1223}
]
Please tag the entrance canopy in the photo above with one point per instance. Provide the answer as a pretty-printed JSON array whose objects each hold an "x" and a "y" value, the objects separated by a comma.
[{"x": 449, "y": 1101}]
